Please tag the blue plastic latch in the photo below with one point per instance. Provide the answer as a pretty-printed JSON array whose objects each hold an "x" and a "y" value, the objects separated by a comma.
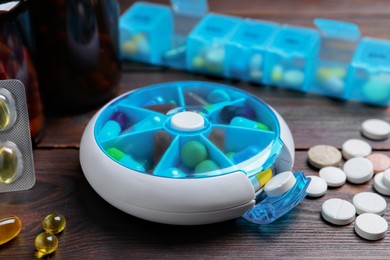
[
  {"x": 271, "y": 208},
  {"x": 337, "y": 29},
  {"x": 196, "y": 8}
]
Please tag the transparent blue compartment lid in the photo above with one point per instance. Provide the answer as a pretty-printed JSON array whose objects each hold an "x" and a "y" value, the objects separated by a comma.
[
  {"x": 295, "y": 41},
  {"x": 372, "y": 55},
  {"x": 256, "y": 34},
  {"x": 190, "y": 7},
  {"x": 342, "y": 31},
  {"x": 189, "y": 130}
]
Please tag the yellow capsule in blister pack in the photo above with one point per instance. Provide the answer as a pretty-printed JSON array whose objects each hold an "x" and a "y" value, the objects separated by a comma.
[
  {"x": 7, "y": 110},
  {"x": 10, "y": 162}
]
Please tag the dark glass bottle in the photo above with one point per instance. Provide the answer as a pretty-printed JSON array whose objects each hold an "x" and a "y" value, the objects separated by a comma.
[
  {"x": 15, "y": 59},
  {"x": 76, "y": 51}
]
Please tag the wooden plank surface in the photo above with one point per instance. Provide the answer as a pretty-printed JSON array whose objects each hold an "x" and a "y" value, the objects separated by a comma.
[{"x": 96, "y": 230}]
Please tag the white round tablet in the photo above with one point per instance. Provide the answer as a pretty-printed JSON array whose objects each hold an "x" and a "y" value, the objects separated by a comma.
[
  {"x": 371, "y": 226},
  {"x": 376, "y": 129},
  {"x": 280, "y": 184},
  {"x": 355, "y": 148},
  {"x": 317, "y": 187},
  {"x": 358, "y": 170},
  {"x": 334, "y": 177},
  {"x": 379, "y": 186},
  {"x": 369, "y": 202},
  {"x": 338, "y": 211},
  {"x": 386, "y": 178}
]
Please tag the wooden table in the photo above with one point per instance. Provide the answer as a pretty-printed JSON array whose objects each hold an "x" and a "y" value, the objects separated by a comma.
[{"x": 96, "y": 230}]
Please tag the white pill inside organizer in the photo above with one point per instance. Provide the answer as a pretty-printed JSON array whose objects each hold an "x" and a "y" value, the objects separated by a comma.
[
  {"x": 334, "y": 177},
  {"x": 317, "y": 187},
  {"x": 379, "y": 186},
  {"x": 386, "y": 178},
  {"x": 355, "y": 148},
  {"x": 280, "y": 184},
  {"x": 338, "y": 211},
  {"x": 369, "y": 202},
  {"x": 358, "y": 170},
  {"x": 376, "y": 129},
  {"x": 371, "y": 226}
]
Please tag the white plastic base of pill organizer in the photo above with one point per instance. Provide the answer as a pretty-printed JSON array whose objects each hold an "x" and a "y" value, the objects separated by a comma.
[{"x": 179, "y": 201}]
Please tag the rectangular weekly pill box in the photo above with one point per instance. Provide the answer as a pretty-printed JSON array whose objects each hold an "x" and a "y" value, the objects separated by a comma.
[
  {"x": 369, "y": 75},
  {"x": 246, "y": 51},
  {"x": 206, "y": 44},
  {"x": 338, "y": 44},
  {"x": 291, "y": 57}
]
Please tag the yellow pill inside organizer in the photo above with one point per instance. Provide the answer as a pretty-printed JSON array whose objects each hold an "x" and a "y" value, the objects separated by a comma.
[
  {"x": 7, "y": 110},
  {"x": 9, "y": 228},
  {"x": 10, "y": 162}
]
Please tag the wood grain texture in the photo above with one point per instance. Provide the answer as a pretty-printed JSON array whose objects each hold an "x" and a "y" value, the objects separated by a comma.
[{"x": 97, "y": 230}]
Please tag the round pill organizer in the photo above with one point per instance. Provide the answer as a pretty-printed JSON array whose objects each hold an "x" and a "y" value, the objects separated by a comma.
[{"x": 190, "y": 153}]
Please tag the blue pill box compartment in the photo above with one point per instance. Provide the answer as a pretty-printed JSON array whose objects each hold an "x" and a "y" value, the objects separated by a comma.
[
  {"x": 338, "y": 43},
  {"x": 369, "y": 75},
  {"x": 146, "y": 31},
  {"x": 149, "y": 144},
  {"x": 249, "y": 43},
  {"x": 206, "y": 44},
  {"x": 291, "y": 58}
]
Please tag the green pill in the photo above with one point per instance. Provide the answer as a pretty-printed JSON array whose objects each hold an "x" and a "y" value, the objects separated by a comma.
[
  {"x": 206, "y": 166},
  {"x": 193, "y": 153}
]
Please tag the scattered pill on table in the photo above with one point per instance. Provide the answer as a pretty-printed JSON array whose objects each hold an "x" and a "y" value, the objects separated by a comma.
[
  {"x": 334, "y": 177},
  {"x": 371, "y": 226},
  {"x": 379, "y": 186},
  {"x": 280, "y": 184},
  {"x": 386, "y": 178},
  {"x": 338, "y": 211},
  {"x": 54, "y": 223},
  {"x": 355, "y": 148},
  {"x": 10, "y": 227},
  {"x": 358, "y": 170},
  {"x": 369, "y": 202},
  {"x": 317, "y": 187},
  {"x": 380, "y": 161},
  {"x": 324, "y": 155},
  {"x": 375, "y": 129},
  {"x": 46, "y": 244}
]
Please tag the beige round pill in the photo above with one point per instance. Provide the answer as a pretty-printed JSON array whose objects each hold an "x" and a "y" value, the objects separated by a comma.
[
  {"x": 324, "y": 155},
  {"x": 380, "y": 161}
]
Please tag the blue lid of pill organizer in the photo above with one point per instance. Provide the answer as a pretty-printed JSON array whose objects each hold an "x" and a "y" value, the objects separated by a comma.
[
  {"x": 144, "y": 16},
  {"x": 255, "y": 33},
  {"x": 372, "y": 54},
  {"x": 338, "y": 29},
  {"x": 190, "y": 7},
  {"x": 295, "y": 41},
  {"x": 239, "y": 131},
  {"x": 215, "y": 26}
]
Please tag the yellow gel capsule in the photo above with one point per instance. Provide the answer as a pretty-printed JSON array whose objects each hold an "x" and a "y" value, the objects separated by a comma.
[
  {"x": 45, "y": 244},
  {"x": 4, "y": 113},
  {"x": 54, "y": 223},
  {"x": 8, "y": 164},
  {"x": 9, "y": 228}
]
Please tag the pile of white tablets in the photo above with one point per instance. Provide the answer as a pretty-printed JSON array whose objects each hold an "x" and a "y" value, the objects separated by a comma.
[{"x": 360, "y": 166}]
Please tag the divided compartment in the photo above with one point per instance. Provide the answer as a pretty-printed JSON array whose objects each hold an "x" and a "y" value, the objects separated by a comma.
[
  {"x": 160, "y": 99},
  {"x": 140, "y": 151},
  {"x": 193, "y": 157},
  {"x": 118, "y": 119},
  {"x": 250, "y": 150},
  {"x": 270, "y": 209},
  {"x": 291, "y": 57}
]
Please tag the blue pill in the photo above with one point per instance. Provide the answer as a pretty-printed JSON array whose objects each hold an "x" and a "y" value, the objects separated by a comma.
[
  {"x": 218, "y": 95},
  {"x": 114, "y": 126},
  {"x": 244, "y": 122},
  {"x": 229, "y": 112}
]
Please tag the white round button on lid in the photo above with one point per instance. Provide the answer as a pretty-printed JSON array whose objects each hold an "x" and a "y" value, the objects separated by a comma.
[
  {"x": 358, "y": 170},
  {"x": 187, "y": 121},
  {"x": 338, "y": 211},
  {"x": 317, "y": 187},
  {"x": 280, "y": 184},
  {"x": 371, "y": 226},
  {"x": 333, "y": 176},
  {"x": 376, "y": 129},
  {"x": 369, "y": 202}
]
